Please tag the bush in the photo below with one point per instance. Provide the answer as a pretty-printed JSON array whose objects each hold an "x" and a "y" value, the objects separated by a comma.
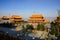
[
  {"x": 30, "y": 27},
  {"x": 40, "y": 27}
]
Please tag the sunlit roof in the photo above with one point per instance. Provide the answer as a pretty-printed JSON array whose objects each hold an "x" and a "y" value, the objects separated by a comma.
[
  {"x": 4, "y": 17},
  {"x": 36, "y": 15},
  {"x": 16, "y": 16}
]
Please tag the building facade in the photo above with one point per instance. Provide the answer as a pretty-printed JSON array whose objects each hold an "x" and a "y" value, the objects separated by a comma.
[
  {"x": 16, "y": 19},
  {"x": 4, "y": 19},
  {"x": 37, "y": 19},
  {"x": 58, "y": 19}
]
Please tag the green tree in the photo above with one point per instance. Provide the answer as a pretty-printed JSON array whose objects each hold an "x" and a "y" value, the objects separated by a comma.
[
  {"x": 29, "y": 27},
  {"x": 58, "y": 29},
  {"x": 40, "y": 27},
  {"x": 53, "y": 28}
]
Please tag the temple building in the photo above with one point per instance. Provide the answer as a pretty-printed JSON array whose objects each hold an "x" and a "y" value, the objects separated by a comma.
[
  {"x": 37, "y": 19},
  {"x": 58, "y": 19},
  {"x": 16, "y": 19},
  {"x": 4, "y": 19}
]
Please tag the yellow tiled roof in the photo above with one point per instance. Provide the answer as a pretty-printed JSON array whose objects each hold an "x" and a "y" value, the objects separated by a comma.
[
  {"x": 37, "y": 15},
  {"x": 35, "y": 19},
  {"x": 4, "y": 17},
  {"x": 15, "y": 16}
]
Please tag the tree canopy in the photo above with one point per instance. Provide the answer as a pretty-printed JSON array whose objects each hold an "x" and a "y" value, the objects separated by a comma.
[
  {"x": 40, "y": 27},
  {"x": 30, "y": 27}
]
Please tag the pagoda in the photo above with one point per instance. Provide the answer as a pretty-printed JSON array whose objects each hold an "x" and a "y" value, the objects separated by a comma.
[
  {"x": 58, "y": 19},
  {"x": 37, "y": 19},
  {"x": 5, "y": 18},
  {"x": 16, "y": 19}
]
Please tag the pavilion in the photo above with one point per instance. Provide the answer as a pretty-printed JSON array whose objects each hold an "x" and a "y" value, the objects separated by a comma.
[
  {"x": 37, "y": 19},
  {"x": 16, "y": 19},
  {"x": 58, "y": 19}
]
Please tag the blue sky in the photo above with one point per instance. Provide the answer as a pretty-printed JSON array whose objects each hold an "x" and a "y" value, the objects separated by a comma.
[{"x": 26, "y": 8}]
